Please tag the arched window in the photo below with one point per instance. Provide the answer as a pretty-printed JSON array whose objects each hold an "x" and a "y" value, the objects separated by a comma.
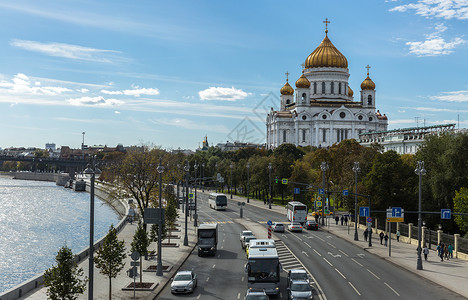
[
  {"x": 315, "y": 87},
  {"x": 288, "y": 101},
  {"x": 323, "y": 87},
  {"x": 339, "y": 88},
  {"x": 332, "y": 88},
  {"x": 369, "y": 100},
  {"x": 304, "y": 97},
  {"x": 284, "y": 136},
  {"x": 303, "y": 135}
]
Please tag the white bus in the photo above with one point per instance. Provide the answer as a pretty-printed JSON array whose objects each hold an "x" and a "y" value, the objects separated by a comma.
[
  {"x": 296, "y": 212},
  {"x": 217, "y": 201},
  {"x": 263, "y": 270}
]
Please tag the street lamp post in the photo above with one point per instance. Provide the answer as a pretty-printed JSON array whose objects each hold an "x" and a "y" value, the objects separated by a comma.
[
  {"x": 159, "y": 271},
  {"x": 91, "y": 173},
  {"x": 195, "y": 212},
  {"x": 370, "y": 227},
  {"x": 356, "y": 170},
  {"x": 248, "y": 183},
  {"x": 324, "y": 168},
  {"x": 420, "y": 171},
  {"x": 203, "y": 177},
  {"x": 230, "y": 186},
  {"x": 269, "y": 184},
  {"x": 178, "y": 185},
  {"x": 186, "y": 169},
  {"x": 216, "y": 170}
]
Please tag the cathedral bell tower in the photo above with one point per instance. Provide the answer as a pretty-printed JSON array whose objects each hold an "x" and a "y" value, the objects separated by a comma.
[
  {"x": 368, "y": 91},
  {"x": 287, "y": 93},
  {"x": 302, "y": 91}
]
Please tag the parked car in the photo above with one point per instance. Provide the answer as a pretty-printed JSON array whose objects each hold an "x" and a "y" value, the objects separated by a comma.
[
  {"x": 297, "y": 274},
  {"x": 256, "y": 294},
  {"x": 300, "y": 289},
  {"x": 278, "y": 227},
  {"x": 184, "y": 282},
  {"x": 311, "y": 225},
  {"x": 295, "y": 226},
  {"x": 243, "y": 234}
]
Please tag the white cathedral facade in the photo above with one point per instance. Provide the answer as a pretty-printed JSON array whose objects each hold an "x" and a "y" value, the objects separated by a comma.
[{"x": 321, "y": 110}]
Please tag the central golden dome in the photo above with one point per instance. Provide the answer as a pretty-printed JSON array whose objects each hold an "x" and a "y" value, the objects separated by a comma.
[{"x": 326, "y": 55}]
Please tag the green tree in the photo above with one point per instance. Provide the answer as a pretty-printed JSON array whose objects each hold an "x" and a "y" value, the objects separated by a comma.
[
  {"x": 460, "y": 204},
  {"x": 171, "y": 216},
  {"x": 110, "y": 257},
  {"x": 140, "y": 244},
  {"x": 153, "y": 236},
  {"x": 64, "y": 280}
]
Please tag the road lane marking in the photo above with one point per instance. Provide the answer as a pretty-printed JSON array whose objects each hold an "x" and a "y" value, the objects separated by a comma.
[
  {"x": 242, "y": 279},
  {"x": 327, "y": 261},
  {"x": 331, "y": 245},
  {"x": 319, "y": 238},
  {"x": 356, "y": 262},
  {"x": 373, "y": 274},
  {"x": 238, "y": 295},
  {"x": 317, "y": 252},
  {"x": 308, "y": 245},
  {"x": 343, "y": 253},
  {"x": 354, "y": 288},
  {"x": 296, "y": 237},
  {"x": 207, "y": 278},
  {"x": 340, "y": 273},
  {"x": 391, "y": 289},
  {"x": 213, "y": 266},
  {"x": 199, "y": 296}
]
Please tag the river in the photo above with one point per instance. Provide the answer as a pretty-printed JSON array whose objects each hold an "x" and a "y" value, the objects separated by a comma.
[{"x": 36, "y": 219}]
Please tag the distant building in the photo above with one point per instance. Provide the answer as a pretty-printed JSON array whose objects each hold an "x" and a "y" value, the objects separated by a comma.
[
  {"x": 228, "y": 146},
  {"x": 50, "y": 146},
  {"x": 404, "y": 140},
  {"x": 183, "y": 151}
]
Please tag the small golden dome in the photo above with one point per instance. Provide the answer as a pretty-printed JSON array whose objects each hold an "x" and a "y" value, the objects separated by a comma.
[
  {"x": 350, "y": 92},
  {"x": 287, "y": 89},
  {"x": 326, "y": 55},
  {"x": 368, "y": 84},
  {"x": 303, "y": 82}
]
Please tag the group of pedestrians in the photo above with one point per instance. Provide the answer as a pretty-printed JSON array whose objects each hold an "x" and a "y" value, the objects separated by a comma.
[
  {"x": 344, "y": 220},
  {"x": 383, "y": 238},
  {"x": 444, "y": 251}
]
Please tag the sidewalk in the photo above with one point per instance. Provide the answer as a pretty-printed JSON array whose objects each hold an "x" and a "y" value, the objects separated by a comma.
[
  {"x": 451, "y": 274},
  {"x": 173, "y": 257}
]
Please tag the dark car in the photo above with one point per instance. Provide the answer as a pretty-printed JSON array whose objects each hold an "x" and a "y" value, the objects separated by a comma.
[{"x": 311, "y": 225}]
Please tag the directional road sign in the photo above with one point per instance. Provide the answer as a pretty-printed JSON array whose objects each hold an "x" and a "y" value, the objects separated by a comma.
[
  {"x": 318, "y": 203},
  {"x": 321, "y": 191},
  {"x": 190, "y": 195},
  {"x": 395, "y": 214},
  {"x": 297, "y": 190},
  {"x": 284, "y": 181},
  {"x": 269, "y": 222},
  {"x": 445, "y": 214},
  {"x": 364, "y": 211},
  {"x": 345, "y": 192}
]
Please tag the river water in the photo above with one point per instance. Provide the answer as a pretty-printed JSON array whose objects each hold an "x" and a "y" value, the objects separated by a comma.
[{"x": 36, "y": 219}]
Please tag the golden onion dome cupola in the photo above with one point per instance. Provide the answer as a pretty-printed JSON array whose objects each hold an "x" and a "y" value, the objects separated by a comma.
[
  {"x": 326, "y": 55},
  {"x": 287, "y": 89},
  {"x": 350, "y": 92},
  {"x": 368, "y": 84},
  {"x": 303, "y": 82}
]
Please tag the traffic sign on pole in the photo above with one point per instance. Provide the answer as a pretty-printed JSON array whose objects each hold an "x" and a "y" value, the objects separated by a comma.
[
  {"x": 269, "y": 223},
  {"x": 284, "y": 181},
  {"x": 190, "y": 195},
  {"x": 364, "y": 211},
  {"x": 345, "y": 192},
  {"x": 321, "y": 191},
  {"x": 319, "y": 203},
  {"x": 297, "y": 190},
  {"x": 445, "y": 214}
]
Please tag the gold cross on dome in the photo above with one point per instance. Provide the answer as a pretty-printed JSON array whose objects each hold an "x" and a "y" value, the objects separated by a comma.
[
  {"x": 326, "y": 24},
  {"x": 368, "y": 67},
  {"x": 287, "y": 74}
]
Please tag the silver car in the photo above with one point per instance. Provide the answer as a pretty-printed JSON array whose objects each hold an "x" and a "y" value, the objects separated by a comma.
[
  {"x": 300, "y": 289},
  {"x": 184, "y": 282}
]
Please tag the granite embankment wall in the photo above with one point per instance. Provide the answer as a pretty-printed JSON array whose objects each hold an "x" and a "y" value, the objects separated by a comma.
[
  {"x": 103, "y": 191},
  {"x": 58, "y": 178}
]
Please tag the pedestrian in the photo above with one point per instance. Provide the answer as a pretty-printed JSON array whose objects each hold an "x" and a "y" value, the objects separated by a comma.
[
  {"x": 440, "y": 251},
  {"x": 398, "y": 235},
  {"x": 425, "y": 252},
  {"x": 446, "y": 255},
  {"x": 381, "y": 236},
  {"x": 342, "y": 220},
  {"x": 346, "y": 220},
  {"x": 386, "y": 239},
  {"x": 365, "y": 233},
  {"x": 450, "y": 250},
  {"x": 316, "y": 217},
  {"x": 337, "y": 219}
]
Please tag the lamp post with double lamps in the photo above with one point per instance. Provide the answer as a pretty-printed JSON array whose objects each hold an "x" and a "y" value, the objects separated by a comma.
[
  {"x": 324, "y": 168},
  {"x": 160, "y": 169},
  {"x": 91, "y": 173},
  {"x": 195, "y": 211},
  {"x": 186, "y": 169},
  {"x": 230, "y": 186},
  {"x": 248, "y": 183},
  {"x": 203, "y": 177},
  {"x": 270, "y": 166},
  {"x": 420, "y": 171},
  {"x": 216, "y": 171},
  {"x": 356, "y": 170}
]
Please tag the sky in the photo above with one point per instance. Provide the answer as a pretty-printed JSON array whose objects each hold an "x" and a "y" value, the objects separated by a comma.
[{"x": 169, "y": 73}]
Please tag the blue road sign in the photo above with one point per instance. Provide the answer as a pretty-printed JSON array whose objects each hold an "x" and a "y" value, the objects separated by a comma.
[
  {"x": 321, "y": 191},
  {"x": 297, "y": 190},
  {"x": 364, "y": 211},
  {"x": 269, "y": 222},
  {"x": 345, "y": 192},
  {"x": 396, "y": 212},
  {"x": 445, "y": 214}
]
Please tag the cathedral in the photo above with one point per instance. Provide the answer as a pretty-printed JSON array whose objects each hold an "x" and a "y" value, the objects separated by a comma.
[{"x": 321, "y": 110}]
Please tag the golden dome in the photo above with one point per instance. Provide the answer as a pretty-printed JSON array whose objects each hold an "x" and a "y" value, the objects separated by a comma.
[
  {"x": 326, "y": 55},
  {"x": 303, "y": 82},
  {"x": 350, "y": 92},
  {"x": 287, "y": 89},
  {"x": 368, "y": 84}
]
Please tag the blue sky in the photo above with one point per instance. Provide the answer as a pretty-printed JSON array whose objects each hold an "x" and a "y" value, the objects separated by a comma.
[{"x": 170, "y": 72}]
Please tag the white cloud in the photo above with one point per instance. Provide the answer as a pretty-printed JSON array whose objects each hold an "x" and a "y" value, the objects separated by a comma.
[
  {"x": 135, "y": 92},
  {"x": 95, "y": 101},
  {"x": 434, "y": 44},
  {"x": 117, "y": 112},
  {"x": 21, "y": 84},
  {"x": 443, "y": 9},
  {"x": 68, "y": 51},
  {"x": 457, "y": 96},
  {"x": 224, "y": 94}
]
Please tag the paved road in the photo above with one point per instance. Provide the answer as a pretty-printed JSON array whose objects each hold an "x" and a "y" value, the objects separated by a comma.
[{"x": 341, "y": 270}]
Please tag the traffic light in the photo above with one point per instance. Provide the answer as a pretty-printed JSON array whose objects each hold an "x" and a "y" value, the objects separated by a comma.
[{"x": 276, "y": 180}]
